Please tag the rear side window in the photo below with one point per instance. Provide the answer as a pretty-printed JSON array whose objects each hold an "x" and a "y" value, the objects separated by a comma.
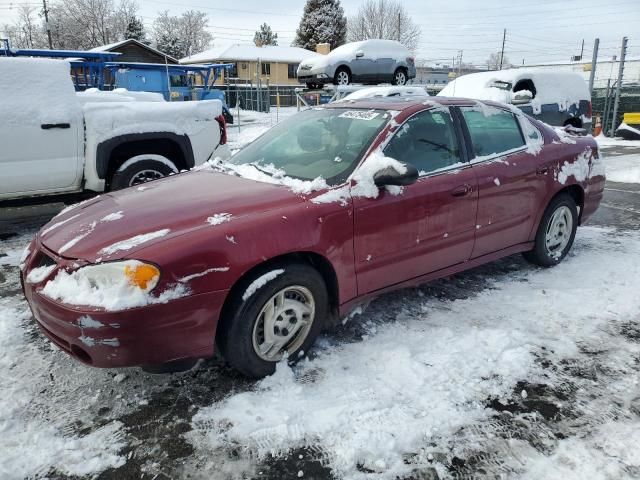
[
  {"x": 493, "y": 131},
  {"x": 427, "y": 141}
]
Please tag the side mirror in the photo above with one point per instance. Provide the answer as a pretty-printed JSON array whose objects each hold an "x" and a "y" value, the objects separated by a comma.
[
  {"x": 359, "y": 54},
  {"x": 391, "y": 176},
  {"x": 522, "y": 97}
]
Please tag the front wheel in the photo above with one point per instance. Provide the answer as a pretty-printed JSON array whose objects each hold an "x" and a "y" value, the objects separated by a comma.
[
  {"x": 556, "y": 232},
  {"x": 342, "y": 77},
  {"x": 277, "y": 313}
]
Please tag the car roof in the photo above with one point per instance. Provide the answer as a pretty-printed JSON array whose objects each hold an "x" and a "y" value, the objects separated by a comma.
[{"x": 400, "y": 103}]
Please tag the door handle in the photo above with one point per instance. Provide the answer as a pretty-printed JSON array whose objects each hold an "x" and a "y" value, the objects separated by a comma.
[
  {"x": 461, "y": 190},
  {"x": 542, "y": 170},
  {"x": 49, "y": 126}
]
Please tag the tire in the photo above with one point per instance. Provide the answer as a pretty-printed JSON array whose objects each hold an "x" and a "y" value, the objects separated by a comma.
[
  {"x": 342, "y": 76},
  {"x": 559, "y": 212},
  {"x": 242, "y": 333},
  {"x": 141, "y": 169},
  {"x": 399, "y": 77}
]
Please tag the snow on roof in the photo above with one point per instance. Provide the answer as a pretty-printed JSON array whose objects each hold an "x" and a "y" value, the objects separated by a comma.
[
  {"x": 551, "y": 86},
  {"x": 109, "y": 47},
  {"x": 268, "y": 53}
]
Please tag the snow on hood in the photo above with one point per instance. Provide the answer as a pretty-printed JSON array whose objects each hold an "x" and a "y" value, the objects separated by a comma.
[
  {"x": 162, "y": 209},
  {"x": 551, "y": 87}
]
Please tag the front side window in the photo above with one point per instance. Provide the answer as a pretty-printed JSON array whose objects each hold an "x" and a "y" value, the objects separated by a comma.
[
  {"x": 427, "y": 141},
  {"x": 493, "y": 131},
  {"x": 325, "y": 143}
]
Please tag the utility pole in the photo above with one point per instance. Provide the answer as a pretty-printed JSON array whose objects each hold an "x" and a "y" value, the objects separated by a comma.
[
  {"x": 594, "y": 62},
  {"x": 460, "y": 64},
  {"x": 46, "y": 21},
  {"x": 623, "y": 51},
  {"x": 398, "y": 26},
  {"x": 504, "y": 37},
  {"x": 582, "y": 49}
]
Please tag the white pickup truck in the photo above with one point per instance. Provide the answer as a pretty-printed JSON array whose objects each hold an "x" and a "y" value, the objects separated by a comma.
[{"x": 53, "y": 141}]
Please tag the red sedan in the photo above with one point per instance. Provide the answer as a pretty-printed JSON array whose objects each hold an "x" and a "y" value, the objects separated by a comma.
[{"x": 322, "y": 212}]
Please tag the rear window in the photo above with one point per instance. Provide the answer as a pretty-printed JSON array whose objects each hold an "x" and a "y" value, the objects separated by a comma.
[{"x": 493, "y": 131}]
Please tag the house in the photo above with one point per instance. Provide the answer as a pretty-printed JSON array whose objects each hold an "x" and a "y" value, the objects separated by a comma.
[
  {"x": 131, "y": 50},
  {"x": 270, "y": 64}
]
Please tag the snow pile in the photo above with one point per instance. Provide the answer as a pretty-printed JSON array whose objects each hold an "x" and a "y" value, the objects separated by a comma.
[
  {"x": 624, "y": 168},
  {"x": 414, "y": 392},
  {"x": 32, "y": 444},
  {"x": 117, "y": 95},
  {"x": 50, "y": 97},
  {"x": 39, "y": 274},
  {"x": 552, "y": 87},
  {"x": 105, "y": 286},
  {"x": 112, "y": 119},
  {"x": 14, "y": 257},
  {"x": 112, "y": 216},
  {"x": 132, "y": 242},
  {"x": 270, "y": 174},
  {"x": 261, "y": 282},
  {"x": 579, "y": 168},
  {"x": 202, "y": 274},
  {"x": 219, "y": 218},
  {"x": 372, "y": 92},
  {"x": 363, "y": 177}
]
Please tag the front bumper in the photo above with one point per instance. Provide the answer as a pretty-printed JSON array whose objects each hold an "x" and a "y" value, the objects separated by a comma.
[
  {"x": 314, "y": 78},
  {"x": 154, "y": 334}
]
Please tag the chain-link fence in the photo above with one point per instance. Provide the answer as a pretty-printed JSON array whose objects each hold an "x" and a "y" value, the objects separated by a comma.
[{"x": 603, "y": 100}]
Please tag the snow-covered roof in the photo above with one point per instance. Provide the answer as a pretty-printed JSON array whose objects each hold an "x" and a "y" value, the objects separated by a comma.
[
  {"x": 109, "y": 47},
  {"x": 268, "y": 53}
]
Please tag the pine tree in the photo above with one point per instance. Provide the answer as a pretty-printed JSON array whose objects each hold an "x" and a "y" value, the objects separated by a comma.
[
  {"x": 135, "y": 30},
  {"x": 265, "y": 36},
  {"x": 323, "y": 21}
]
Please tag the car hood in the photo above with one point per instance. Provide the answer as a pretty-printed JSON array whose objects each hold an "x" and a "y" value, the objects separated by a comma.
[{"x": 139, "y": 216}]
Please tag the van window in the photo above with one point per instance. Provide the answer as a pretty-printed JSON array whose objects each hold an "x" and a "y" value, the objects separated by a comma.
[
  {"x": 492, "y": 130},
  {"x": 427, "y": 141}
]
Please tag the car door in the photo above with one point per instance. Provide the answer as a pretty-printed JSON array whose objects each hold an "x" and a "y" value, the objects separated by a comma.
[
  {"x": 364, "y": 66},
  {"x": 385, "y": 63},
  {"x": 40, "y": 140},
  {"x": 511, "y": 178},
  {"x": 430, "y": 224}
]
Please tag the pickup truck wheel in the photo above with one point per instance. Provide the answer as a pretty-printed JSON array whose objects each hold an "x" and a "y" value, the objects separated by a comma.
[
  {"x": 141, "y": 169},
  {"x": 556, "y": 232},
  {"x": 277, "y": 312}
]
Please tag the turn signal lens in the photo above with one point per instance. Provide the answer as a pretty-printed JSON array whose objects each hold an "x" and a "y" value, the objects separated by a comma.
[{"x": 142, "y": 275}]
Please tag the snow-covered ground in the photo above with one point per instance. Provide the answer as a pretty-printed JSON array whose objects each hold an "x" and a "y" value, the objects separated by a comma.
[
  {"x": 623, "y": 168},
  {"x": 508, "y": 369}
]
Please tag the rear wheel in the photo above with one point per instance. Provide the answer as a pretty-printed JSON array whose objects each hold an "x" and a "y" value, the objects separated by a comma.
[
  {"x": 278, "y": 312},
  {"x": 342, "y": 76},
  {"x": 141, "y": 169},
  {"x": 556, "y": 232},
  {"x": 400, "y": 77}
]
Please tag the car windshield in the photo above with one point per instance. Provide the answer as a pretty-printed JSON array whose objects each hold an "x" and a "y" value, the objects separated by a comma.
[{"x": 324, "y": 143}]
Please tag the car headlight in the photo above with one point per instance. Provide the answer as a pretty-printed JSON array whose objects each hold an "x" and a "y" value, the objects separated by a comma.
[{"x": 134, "y": 273}]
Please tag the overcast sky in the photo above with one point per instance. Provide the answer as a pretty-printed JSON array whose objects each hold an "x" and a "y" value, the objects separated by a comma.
[{"x": 537, "y": 30}]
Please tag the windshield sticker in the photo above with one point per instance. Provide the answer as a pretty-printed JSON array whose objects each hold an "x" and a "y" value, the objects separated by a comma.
[{"x": 359, "y": 114}]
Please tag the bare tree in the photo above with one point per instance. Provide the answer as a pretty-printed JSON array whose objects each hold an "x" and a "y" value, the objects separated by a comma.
[
  {"x": 27, "y": 31},
  {"x": 182, "y": 36},
  {"x": 493, "y": 62},
  {"x": 386, "y": 19}
]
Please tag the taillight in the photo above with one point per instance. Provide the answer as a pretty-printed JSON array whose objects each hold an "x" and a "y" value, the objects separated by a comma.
[
  {"x": 589, "y": 109},
  {"x": 223, "y": 129}
]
